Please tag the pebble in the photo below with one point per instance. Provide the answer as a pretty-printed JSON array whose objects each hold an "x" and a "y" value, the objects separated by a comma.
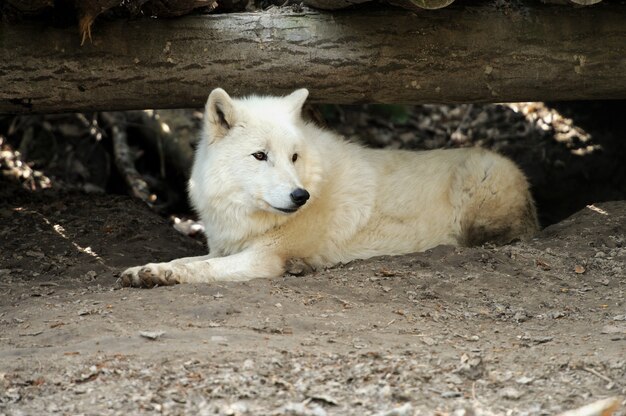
[
  {"x": 218, "y": 338},
  {"x": 520, "y": 316},
  {"x": 510, "y": 393},
  {"x": 463, "y": 412},
  {"x": 299, "y": 409},
  {"x": 152, "y": 335},
  {"x": 524, "y": 380},
  {"x": 235, "y": 409},
  {"x": 404, "y": 410},
  {"x": 613, "y": 329},
  {"x": 429, "y": 341},
  {"x": 556, "y": 314}
]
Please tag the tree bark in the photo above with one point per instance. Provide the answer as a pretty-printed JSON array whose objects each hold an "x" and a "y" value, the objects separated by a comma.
[{"x": 456, "y": 54}]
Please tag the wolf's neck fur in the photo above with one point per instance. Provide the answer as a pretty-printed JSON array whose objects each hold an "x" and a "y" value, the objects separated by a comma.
[{"x": 231, "y": 227}]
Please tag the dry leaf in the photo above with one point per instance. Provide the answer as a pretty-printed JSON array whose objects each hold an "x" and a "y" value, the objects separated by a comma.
[{"x": 542, "y": 264}]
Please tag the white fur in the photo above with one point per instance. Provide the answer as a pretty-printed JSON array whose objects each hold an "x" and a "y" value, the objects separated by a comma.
[{"x": 363, "y": 202}]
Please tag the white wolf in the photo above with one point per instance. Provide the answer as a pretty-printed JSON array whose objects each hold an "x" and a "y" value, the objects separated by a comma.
[{"x": 270, "y": 187}]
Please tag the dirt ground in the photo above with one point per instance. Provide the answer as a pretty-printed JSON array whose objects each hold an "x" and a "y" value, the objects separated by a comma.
[
  {"x": 525, "y": 329},
  {"x": 528, "y": 328}
]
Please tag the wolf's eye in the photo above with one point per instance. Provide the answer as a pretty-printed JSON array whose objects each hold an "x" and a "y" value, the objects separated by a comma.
[
  {"x": 260, "y": 155},
  {"x": 294, "y": 157}
]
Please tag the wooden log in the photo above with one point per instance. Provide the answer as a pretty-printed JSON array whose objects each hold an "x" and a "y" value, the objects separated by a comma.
[
  {"x": 455, "y": 54},
  {"x": 407, "y": 4},
  {"x": 432, "y": 4},
  {"x": 573, "y": 2},
  {"x": 28, "y": 7},
  {"x": 333, "y": 4}
]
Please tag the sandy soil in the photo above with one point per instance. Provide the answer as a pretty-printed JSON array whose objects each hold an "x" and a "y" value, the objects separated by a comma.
[{"x": 528, "y": 328}]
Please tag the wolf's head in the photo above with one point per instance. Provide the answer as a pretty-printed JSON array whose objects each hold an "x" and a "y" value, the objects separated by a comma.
[{"x": 258, "y": 151}]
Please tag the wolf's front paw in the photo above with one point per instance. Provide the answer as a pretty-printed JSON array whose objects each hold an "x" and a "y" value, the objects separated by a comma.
[{"x": 150, "y": 275}]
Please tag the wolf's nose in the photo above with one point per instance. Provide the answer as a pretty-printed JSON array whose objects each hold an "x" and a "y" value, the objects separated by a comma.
[{"x": 299, "y": 196}]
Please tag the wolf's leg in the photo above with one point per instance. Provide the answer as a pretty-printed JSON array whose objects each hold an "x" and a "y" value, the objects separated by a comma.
[
  {"x": 130, "y": 276},
  {"x": 242, "y": 266}
]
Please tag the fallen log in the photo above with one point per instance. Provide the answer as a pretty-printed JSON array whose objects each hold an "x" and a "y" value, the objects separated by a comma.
[
  {"x": 455, "y": 54},
  {"x": 407, "y": 4}
]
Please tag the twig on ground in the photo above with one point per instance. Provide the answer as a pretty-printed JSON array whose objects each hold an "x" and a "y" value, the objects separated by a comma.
[
  {"x": 599, "y": 375},
  {"x": 124, "y": 159}
]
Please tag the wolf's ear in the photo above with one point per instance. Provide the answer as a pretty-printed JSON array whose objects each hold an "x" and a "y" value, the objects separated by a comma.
[
  {"x": 296, "y": 100},
  {"x": 219, "y": 114}
]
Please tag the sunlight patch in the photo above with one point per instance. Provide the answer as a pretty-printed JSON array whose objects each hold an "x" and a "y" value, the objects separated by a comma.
[
  {"x": 565, "y": 131},
  {"x": 13, "y": 167},
  {"x": 598, "y": 210}
]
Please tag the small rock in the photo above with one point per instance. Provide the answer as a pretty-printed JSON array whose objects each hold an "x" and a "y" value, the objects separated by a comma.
[
  {"x": 579, "y": 269},
  {"x": 472, "y": 368},
  {"x": 219, "y": 338},
  {"x": 499, "y": 376},
  {"x": 152, "y": 335},
  {"x": 300, "y": 409},
  {"x": 386, "y": 272},
  {"x": 510, "y": 393},
  {"x": 613, "y": 329},
  {"x": 521, "y": 316},
  {"x": 13, "y": 395},
  {"x": 235, "y": 409},
  {"x": 556, "y": 314},
  {"x": 324, "y": 398},
  {"x": 84, "y": 312},
  {"x": 405, "y": 410},
  {"x": 429, "y": 341},
  {"x": 454, "y": 379},
  {"x": 463, "y": 412},
  {"x": 542, "y": 340},
  {"x": 524, "y": 380}
]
